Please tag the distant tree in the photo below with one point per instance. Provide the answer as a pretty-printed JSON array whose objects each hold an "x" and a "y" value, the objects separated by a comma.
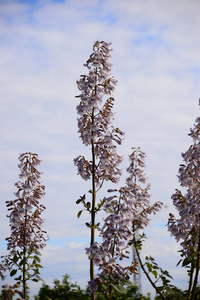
[
  {"x": 27, "y": 236},
  {"x": 66, "y": 290},
  {"x": 62, "y": 291},
  {"x": 177, "y": 294}
]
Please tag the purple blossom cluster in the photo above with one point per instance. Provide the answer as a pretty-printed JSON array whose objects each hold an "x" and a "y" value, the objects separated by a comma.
[
  {"x": 95, "y": 119},
  {"x": 25, "y": 211},
  {"x": 141, "y": 207},
  {"x": 186, "y": 228},
  {"x": 96, "y": 116},
  {"x": 128, "y": 211}
]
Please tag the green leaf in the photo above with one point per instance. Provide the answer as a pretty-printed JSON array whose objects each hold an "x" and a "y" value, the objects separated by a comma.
[
  {"x": 186, "y": 261},
  {"x": 104, "y": 287},
  {"x": 37, "y": 258},
  {"x": 164, "y": 280},
  {"x": 109, "y": 210},
  {"x": 13, "y": 272},
  {"x": 149, "y": 266},
  {"x": 15, "y": 259},
  {"x": 120, "y": 289},
  {"x": 154, "y": 273},
  {"x": 22, "y": 262},
  {"x": 78, "y": 201},
  {"x": 168, "y": 289},
  {"x": 38, "y": 277},
  {"x": 81, "y": 199},
  {"x": 79, "y": 214},
  {"x": 37, "y": 252},
  {"x": 35, "y": 279},
  {"x": 155, "y": 267},
  {"x": 87, "y": 205},
  {"x": 38, "y": 266},
  {"x": 88, "y": 224},
  {"x": 166, "y": 273},
  {"x": 151, "y": 258},
  {"x": 19, "y": 278}
]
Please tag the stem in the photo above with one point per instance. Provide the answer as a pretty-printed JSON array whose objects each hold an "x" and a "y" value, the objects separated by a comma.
[
  {"x": 147, "y": 275},
  {"x": 191, "y": 279},
  {"x": 135, "y": 259},
  {"x": 24, "y": 258},
  {"x": 93, "y": 208},
  {"x": 197, "y": 270},
  {"x": 113, "y": 248}
]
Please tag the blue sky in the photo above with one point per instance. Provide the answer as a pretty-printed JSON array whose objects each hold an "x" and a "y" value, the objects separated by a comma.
[{"x": 43, "y": 46}]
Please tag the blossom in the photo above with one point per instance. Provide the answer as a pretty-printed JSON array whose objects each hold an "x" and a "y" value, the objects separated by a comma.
[
  {"x": 26, "y": 209},
  {"x": 129, "y": 208},
  {"x": 186, "y": 227},
  {"x": 96, "y": 116},
  {"x": 84, "y": 167},
  {"x": 27, "y": 236},
  {"x": 128, "y": 211},
  {"x": 95, "y": 127}
]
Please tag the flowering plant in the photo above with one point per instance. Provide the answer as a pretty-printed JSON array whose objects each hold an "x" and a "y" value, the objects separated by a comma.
[
  {"x": 128, "y": 212},
  {"x": 94, "y": 123},
  {"x": 27, "y": 236},
  {"x": 186, "y": 228},
  {"x": 130, "y": 209}
]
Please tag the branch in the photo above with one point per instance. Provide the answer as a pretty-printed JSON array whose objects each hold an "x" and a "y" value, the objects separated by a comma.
[{"x": 147, "y": 275}]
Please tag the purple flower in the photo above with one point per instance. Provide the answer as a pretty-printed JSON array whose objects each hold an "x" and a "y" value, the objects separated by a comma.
[
  {"x": 186, "y": 227},
  {"x": 25, "y": 210}
]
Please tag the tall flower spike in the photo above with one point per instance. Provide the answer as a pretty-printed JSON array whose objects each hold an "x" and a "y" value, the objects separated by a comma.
[
  {"x": 188, "y": 205},
  {"x": 141, "y": 205},
  {"x": 132, "y": 206},
  {"x": 95, "y": 119},
  {"x": 25, "y": 210},
  {"x": 27, "y": 236},
  {"x": 186, "y": 228}
]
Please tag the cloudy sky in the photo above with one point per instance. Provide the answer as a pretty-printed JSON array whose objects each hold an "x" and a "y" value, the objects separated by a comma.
[{"x": 43, "y": 46}]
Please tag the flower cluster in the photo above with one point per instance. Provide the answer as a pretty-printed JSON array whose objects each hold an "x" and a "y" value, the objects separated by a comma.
[
  {"x": 96, "y": 116},
  {"x": 25, "y": 211},
  {"x": 128, "y": 212},
  {"x": 187, "y": 227},
  {"x": 140, "y": 206}
]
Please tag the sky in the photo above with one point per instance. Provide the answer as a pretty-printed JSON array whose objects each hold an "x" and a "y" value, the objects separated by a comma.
[{"x": 43, "y": 46}]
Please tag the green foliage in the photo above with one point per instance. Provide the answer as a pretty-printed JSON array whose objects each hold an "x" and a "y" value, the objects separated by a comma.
[
  {"x": 66, "y": 290},
  {"x": 161, "y": 276},
  {"x": 87, "y": 206},
  {"x": 62, "y": 290},
  {"x": 139, "y": 242},
  {"x": 177, "y": 294},
  {"x": 125, "y": 291},
  {"x": 31, "y": 260}
]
